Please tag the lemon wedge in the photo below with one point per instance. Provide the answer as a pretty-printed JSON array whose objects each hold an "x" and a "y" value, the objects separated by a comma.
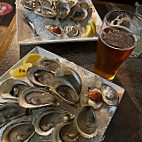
[
  {"x": 21, "y": 71},
  {"x": 89, "y": 31},
  {"x": 93, "y": 26},
  {"x": 32, "y": 58}
]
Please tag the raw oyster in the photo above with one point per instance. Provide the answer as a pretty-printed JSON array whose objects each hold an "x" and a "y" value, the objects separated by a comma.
[
  {"x": 45, "y": 122},
  {"x": 54, "y": 30},
  {"x": 86, "y": 122},
  {"x": 65, "y": 132},
  {"x": 10, "y": 111},
  {"x": 62, "y": 10},
  {"x": 36, "y": 97},
  {"x": 71, "y": 31},
  {"x": 49, "y": 64},
  {"x": 45, "y": 12},
  {"x": 40, "y": 76},
  {"x": 78, "y": 14},
  {"x": 18, "y": 132},
  {"x": 46, "y": 3},
  {"x": 30, "y": 4},
  {"x": 12, "y": 88},
  {"x": 71, "y": 76},
  {"x": 64, "y": 90},
  {"x": 84, "y": 4},
  {"x": 71, "y": 3},
  {"x": 109, "y": 95},
  {"x": 95, "y": 98}
]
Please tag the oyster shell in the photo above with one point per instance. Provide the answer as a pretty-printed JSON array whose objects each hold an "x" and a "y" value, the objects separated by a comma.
[
  {"x": 49, "y": 64},
  {"x": 84, "y": 4},
  {"x": 18, "y": 132},
  {"x": 78, "y": 14},
  {"x": 45, "y": 12},
  {"x": 65, "y": 132},
  {"x": 64, "y": 90},
  {"x": 71, "y": 31},
  {"x": 71, "y": 2},
  {"x": 30, "y": 4},
  {"x": 46, "y": 3},
  {"x": 36, "y": 97},
  {"x": 62, "y": 10},
  {"x": 10, "y": 111},
  {"x": 12, "y": 88},
  {"x": 95, "y": 98},
  {"x": 86, "y": 122},
  {"x": 109, "y": 95},
  {"x": 46, "y": 121},
  {"x": 71, "y": 76},
  {"x": 40, "y": 76}
]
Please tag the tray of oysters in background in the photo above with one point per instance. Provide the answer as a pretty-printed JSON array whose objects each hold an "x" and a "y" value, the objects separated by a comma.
[
  {"x": 44, "y": 21},
  {"x": 48, "y": 98}
]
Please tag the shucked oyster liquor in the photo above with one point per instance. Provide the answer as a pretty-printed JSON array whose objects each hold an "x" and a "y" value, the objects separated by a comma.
[
  {"x": 40, "y": 76},
  {"x": 12, "y": 88},
  {"x": 86, "y": 122},
  {"x": 10, "y": 111},
  {"x": 36, "y": 97},
  {"x": 45, "y": 122},
  {"x": 18, "y": 132}
]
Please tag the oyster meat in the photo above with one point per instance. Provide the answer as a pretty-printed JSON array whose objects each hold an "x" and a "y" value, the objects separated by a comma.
[
  {"x": 49, "y": 64},
  {"x": 65, "y": 132},
  {"x": 40, "y": 76},
  {"x": 71, "y": 31},
  {"x": 71, "y": 76},
  {"x": 10, "y": 111},
  {"x": 78, "y": 13},
  {"x": 12, "y": 88},
  {"x": 45, "y": 12},
  {"x": 18, "y": 132},
  {"x": 109, "y": 95},
  {"x": 45, "y": 122},
  {"x": 86, "y": 122},
  {"x": 84, "y": 4},
  {"x": 36, "y": 97},
  {"x": 46, "y": 3},
  {"x": 30, "y": 4},
  {"x": 64, "y": 90}
]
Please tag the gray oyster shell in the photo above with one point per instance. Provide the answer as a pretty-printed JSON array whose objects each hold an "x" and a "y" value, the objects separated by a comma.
[
  {"x": 18, "y": 132},
  {"x": 45, "y": 12},
  {"x": 71, "y": 76},
  {"x": 64, "y": 90},
  {"x": 10, "y": 111},
  {"x": 109, "y": 95},
  {"x": 40, "y": 76},
  {"x": 86, "y": 122},
  {"x": 36, "y": 97},
  {"x": 49, "y": 64},
  {"x": 45, "y": 122},
  {"x": 65, "y": 132},
  {"x": 12, "y": 88}
]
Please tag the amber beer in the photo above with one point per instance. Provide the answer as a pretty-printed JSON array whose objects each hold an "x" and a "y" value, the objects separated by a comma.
[{"x": 114, "y": 45}]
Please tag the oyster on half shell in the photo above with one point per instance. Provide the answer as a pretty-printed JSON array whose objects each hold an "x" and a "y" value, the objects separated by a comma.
[
  {"x": 40, "y": 76},
  {"x": 64, "y": 90},
  {"x": 65, "y": 132},
  {"x": 18, "y": 132},
  {"x": 10, "y": 111},
  {"x": 71, "y": 31},
  {"x": 12, "y": 88},
  {"x": 46, "y": 3},
  {"x": 36, "y": 98},
  {"x": 45, "y": 122},
  {"x": 86, "y": 122}
]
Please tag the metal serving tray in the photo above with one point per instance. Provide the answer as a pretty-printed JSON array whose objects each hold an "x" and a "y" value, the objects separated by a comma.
[
  {"x": 89, "y": 79},
  {"x": 26, "y": 37}
]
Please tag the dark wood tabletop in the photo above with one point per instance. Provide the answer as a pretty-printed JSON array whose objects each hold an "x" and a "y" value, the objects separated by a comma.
[{"x": 126, "y": 125}]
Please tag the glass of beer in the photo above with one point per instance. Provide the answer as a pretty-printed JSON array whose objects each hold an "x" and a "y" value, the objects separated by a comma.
[{"x": 118, "y": 37}]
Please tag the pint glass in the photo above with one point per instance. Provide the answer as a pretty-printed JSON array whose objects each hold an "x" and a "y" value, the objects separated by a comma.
[{"x": 118, "y": 37}]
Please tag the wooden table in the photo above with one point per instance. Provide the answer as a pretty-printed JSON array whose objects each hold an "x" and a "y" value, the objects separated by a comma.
[{"x": 126, "y": 125}]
